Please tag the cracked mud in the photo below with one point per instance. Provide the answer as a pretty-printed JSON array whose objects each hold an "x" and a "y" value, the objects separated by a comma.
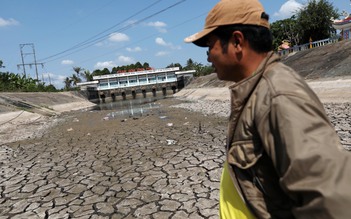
[{"x": 165, "y": 164}]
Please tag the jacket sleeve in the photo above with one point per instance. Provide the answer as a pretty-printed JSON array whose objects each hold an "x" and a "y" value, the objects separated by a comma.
[{"x": 314, "y": 170}]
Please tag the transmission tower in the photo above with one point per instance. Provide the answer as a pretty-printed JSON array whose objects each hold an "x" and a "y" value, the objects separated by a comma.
[{"x": 32, "y": 53}]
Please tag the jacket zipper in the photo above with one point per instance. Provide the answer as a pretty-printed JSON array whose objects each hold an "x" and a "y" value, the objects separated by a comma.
[{"x": 257, "y": 182}]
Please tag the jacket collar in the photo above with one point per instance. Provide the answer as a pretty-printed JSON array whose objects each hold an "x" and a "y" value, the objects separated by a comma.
[{"x": 241, "y": 91}]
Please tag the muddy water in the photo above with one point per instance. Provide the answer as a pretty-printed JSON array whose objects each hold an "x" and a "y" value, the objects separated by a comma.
[{"x": 131, "y": 107}]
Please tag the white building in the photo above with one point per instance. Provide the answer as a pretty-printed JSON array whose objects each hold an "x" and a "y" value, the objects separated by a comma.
[
  {"x": 136, "y": 78},
  {"x": 141, "y": 80}
]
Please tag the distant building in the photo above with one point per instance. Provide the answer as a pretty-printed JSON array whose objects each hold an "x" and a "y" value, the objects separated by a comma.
[
  {"x": 88, "y": 85},
  {"x": 344, "y": 25},
  {"x": 136, "y": 78},
  {"x": 139, "y": 80}
]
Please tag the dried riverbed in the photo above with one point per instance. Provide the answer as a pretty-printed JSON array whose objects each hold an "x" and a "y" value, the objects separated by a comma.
[{"x": 165, "y": 163}]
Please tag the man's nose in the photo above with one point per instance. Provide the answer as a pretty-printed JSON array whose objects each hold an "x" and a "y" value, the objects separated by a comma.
[{"x": 208, "y": 56}]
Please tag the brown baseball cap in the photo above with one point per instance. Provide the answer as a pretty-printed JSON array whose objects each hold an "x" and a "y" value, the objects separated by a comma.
[{"x": 228, "y": 12}]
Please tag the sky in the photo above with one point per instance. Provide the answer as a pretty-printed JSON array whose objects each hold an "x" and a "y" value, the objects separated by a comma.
[{"x": 95, "y": 34}]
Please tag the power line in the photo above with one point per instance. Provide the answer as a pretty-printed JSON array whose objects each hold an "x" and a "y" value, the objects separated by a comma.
[
  {"x": 91, "y": 40},
  {"x": 119, "y": 23},
  {"x": 147, "y": 37}
]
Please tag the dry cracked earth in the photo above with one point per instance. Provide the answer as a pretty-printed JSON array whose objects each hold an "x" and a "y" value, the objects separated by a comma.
[{"x": 164, "y": 164}]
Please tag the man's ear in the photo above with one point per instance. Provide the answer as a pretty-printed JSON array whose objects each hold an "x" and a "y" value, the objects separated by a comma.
[
  {"x": 237, "y": 42},
  {"x": 237, "y": 39}
]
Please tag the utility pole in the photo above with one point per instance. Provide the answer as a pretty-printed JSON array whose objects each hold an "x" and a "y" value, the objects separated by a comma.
[
  {"x": 23, "y": 54},
  {"x": 49, "y": 79},
  {"x": 42, "y": 78}
]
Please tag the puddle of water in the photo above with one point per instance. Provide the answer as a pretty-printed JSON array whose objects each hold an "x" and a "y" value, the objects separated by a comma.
[{"x": 129, "y": 108}]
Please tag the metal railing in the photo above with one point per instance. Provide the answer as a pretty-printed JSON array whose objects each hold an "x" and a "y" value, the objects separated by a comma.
[{"x": 308, "y": 46}]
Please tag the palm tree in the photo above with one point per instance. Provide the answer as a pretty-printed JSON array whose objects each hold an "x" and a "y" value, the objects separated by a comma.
[
  {"x": 87, "y": 75},
  {"x": 78, "y": 70},
  {"x": 75, "y": 79},
  {"x": 67, "y": 83}
]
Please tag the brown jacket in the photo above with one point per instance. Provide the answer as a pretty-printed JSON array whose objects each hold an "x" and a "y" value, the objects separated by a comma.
[{"x": 286, "y": 158}]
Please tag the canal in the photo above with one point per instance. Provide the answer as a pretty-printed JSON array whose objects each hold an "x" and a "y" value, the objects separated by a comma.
[{"x": 130, "y": 107}]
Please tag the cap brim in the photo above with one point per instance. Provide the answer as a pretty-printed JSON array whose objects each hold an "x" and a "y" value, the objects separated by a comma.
[{"x": 199, "y": 38}]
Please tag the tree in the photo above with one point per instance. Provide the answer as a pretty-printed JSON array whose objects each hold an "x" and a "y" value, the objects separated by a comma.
[
  {"x": 97, "y": 72},
  {"x": 146, "y": 65},
  {"x": 172, "y": 65},
  {"x": 50, "y": 88},
  {"x": 1, "y": 64},
  {"x": 75, "y": 79},
  {"x": 22, "y": 83},
  {"x": 286, "y": 29},
  {"x": 200, "y": 69},
  {"x": 78, "y": 70},
  {"x": 314, "y": 19},
  {"x": 138, "y": 65},
  {"x": 190, "y": 65},
  {"x": 87, "y": 75},
  {"x": 105, "y": 71},
  {"x": 17, "y": 82},
  {"x": 67, "y": 83}
]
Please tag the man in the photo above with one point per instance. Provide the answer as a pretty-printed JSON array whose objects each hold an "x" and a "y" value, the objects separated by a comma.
[{"x": 284, "y": 158}]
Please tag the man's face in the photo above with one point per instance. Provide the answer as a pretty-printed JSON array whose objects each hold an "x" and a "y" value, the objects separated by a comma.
[{"x": 223, "y": 59}]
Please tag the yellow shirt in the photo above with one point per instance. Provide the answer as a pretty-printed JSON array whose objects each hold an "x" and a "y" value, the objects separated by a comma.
[{"x": 231, "y": 206}]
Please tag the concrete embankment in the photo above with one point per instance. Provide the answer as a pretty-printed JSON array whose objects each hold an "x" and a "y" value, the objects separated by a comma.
[
  {"x": 25, "y": 115},
  {"x": 47, "y": 103}
]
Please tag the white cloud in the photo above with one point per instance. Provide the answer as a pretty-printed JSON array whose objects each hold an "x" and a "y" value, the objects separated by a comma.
[
  {"x": 121, "y": 60},
  {"x": 99, "y": 44},
  {"x": 106, "y": 64},
  {"x": 125, "y": 59},
  {"x": 118, "y": 37},
  {"x": 67, "y": 62},
  {"x": 135, "y": 49},
  {"x": 162, "y": 53},
  {"x": 161, "y": 42},
  {"x": 159, "y": 25},
  {"x": 288, "y": 9},
  {"x": 130, "y": 23},
  {"x": 9, "y": 22},
  {"x": 162, "y": 30},
  {"x": 176, "y": 47}
]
